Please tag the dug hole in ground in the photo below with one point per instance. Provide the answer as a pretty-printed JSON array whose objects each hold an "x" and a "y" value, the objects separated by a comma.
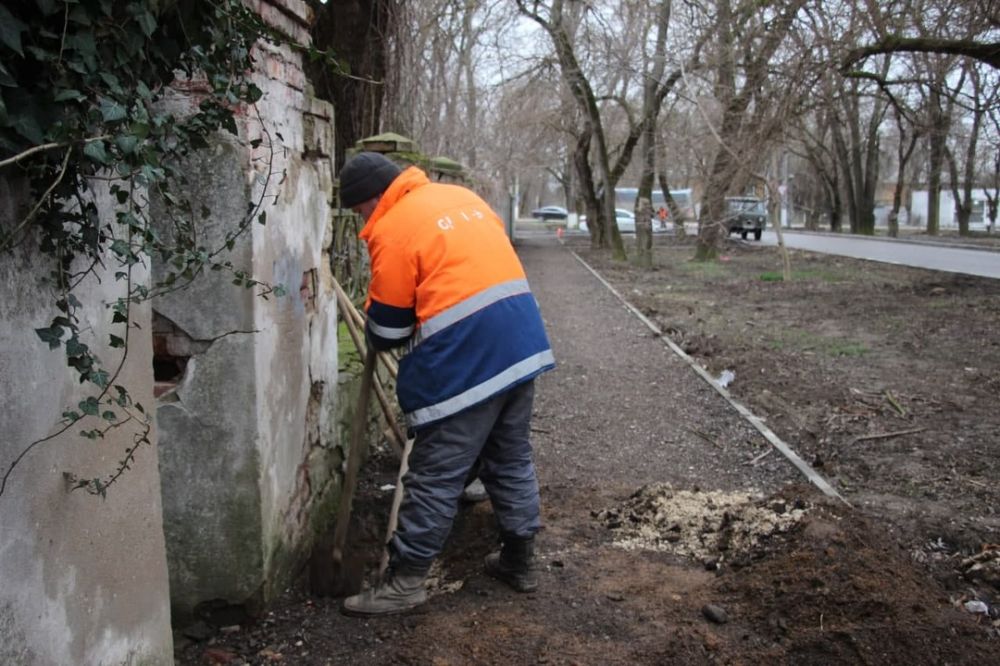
[{"x": 674, "y": 533}]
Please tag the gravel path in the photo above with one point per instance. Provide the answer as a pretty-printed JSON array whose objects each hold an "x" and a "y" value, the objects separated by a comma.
[{"x": 621, "y": 409}]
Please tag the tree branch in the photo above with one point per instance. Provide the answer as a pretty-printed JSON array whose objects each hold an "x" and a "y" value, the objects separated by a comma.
[
  {"x": 988, "y": 53},
  {"x": 46, "y": 146}
]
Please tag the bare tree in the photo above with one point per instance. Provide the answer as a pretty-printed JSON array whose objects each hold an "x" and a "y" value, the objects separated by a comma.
[
  {"x": 748, "y": 40},
  {"x": 861, "y": 115},
  {"x": 553, "y": 21},
  {"x": 906, "y": 142},
  {"x": 991, "y": 176},
  {"x": 657, "y": 84},
  {"x": 983, "y": 97}
]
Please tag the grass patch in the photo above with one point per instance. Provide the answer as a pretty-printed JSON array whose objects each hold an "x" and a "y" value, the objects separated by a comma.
[
  {"x": 820, "y": 276},
  {"x": 846, "y": 348},
  {"x": 705, "y": 269},
  {"x": 806, "y": 341}
]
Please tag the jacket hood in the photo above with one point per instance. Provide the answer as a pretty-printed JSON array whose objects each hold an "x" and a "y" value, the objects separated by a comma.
[{"x": 403, "y": 184}]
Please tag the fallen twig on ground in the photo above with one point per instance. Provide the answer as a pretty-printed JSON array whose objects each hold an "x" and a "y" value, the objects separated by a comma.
[
  {"x": 757, "y": 459},
  {"x": 894, "y": 403},
  {"x": 704, "y": 436},
  {"x": 886, "y": 435}
]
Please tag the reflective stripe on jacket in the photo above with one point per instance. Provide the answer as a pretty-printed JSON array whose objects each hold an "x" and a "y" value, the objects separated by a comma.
[{"x": 446, "y": 279}]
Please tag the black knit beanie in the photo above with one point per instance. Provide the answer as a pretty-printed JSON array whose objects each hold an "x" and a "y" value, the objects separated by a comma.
[{"x": 365, "y": 175}]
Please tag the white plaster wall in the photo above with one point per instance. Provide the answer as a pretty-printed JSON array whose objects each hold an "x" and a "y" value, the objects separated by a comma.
[
  {"x": 918, "y": 208},
  {"x": 297, "y": 344},
  {"x": 244, "y": 454},
  {"x": 83, "y": 579}
]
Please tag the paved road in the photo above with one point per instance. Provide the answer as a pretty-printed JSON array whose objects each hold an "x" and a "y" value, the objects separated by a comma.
[{"x": 984, "y": 263}]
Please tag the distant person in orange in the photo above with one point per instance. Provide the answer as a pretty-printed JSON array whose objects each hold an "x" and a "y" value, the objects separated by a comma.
[
  {"x": 661, "y": 215},
  {"x": 447, "y": 283}
]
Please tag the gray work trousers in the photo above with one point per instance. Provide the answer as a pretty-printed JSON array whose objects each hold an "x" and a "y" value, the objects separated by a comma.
[{"x": 497, "y": 432}]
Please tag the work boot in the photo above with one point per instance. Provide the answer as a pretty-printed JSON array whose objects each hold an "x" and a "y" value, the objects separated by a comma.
[
  {"x": 515, "y": 564},
  {"x": 401, "y": 590}
]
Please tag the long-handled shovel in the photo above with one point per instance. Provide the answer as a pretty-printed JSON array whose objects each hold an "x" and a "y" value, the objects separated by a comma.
[{"x": 346, "y": 578}]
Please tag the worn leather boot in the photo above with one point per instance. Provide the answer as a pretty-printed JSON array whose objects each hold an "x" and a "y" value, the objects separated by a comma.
[
  {"x": 515, "y": 564},
  {"x": 401, "y": 590}
]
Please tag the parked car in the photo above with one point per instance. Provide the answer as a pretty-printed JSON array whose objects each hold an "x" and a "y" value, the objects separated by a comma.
[
  {"x": 745, "y": 215},
  {"x": 625, "y": 219},
  {"x": 550, "y": 213}
]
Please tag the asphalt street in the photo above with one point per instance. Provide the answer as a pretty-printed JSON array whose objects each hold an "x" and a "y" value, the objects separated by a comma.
[{"x": 985, "y": 263}]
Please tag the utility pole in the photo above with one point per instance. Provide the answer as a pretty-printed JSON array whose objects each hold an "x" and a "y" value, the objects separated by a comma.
[{"x": 512, "y": 207}]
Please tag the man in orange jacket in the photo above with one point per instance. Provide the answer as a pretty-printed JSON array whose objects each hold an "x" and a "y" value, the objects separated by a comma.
[{"x": 447, "y": 283}]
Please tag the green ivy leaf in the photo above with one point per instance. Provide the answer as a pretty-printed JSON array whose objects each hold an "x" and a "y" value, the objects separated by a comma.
[
  {"x": 146, "y": 22},
  {"x": 10, "y": 30},
  {"x": 109, "y": 416},
  {"x": 95, "y": 150},
  {"x": 99, "y": 377},
  {"x": 140, "y": 130},
  {"x": 48, "y": 7},
  {"x": 80, "y": 16},
  {"x": 126, "y": 143},
  {"x": 83, "y": 43},
  {"x": 51, "y": 335},
  {"x": 117, "y": 342},
  {"x": 90, "y": 406},
  {"x": 5, "y": 77},
  {"x": 120, "y": 247},
  {"x": 26, "y": 124},
  {"x": 111, "y": 110},
  {"x": 75, "y": 348},
  {"x": 69, "y": 94}
]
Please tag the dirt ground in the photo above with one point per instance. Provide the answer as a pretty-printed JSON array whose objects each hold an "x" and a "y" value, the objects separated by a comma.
[{"x": 674, "y": 533}]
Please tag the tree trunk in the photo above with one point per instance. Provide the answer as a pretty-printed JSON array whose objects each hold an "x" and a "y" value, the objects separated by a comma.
[
  {"x": 356, "y": 30},
  {"x": 650, "y": 111},
  {"x": 737, "y": 143},
  {"x": 677, "y": 216},
  {"x": 963, "y": 206},
  {"x": 581, "y": 162},
  {"x": 903, "y": 154},
  {"x": 858, "y": 158},
  {"x": 934, "y": 163},
  {"x": 583, "y": 94}
]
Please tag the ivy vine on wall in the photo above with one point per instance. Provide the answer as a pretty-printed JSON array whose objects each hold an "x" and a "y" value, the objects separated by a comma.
[{"x": 82, "y": 85}]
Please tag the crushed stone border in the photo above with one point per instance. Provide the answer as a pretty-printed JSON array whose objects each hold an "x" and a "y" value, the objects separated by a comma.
[{"x": 812, "y": 475}]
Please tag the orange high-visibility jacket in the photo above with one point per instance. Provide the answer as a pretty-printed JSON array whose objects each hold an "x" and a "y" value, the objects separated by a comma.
[{"x": 446, "y": 280}]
